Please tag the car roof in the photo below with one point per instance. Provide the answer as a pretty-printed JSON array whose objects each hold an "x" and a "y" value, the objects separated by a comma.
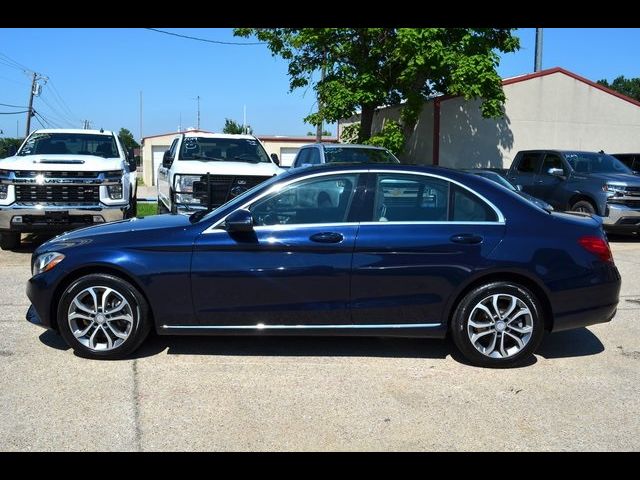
[
  {"x": 218, "y": 135},
  {"x": 74, "y": 130}
]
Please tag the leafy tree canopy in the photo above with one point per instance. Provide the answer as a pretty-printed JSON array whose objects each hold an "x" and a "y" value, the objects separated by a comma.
[
  {"x": 367, "y": 68},
  {"x": 233, "y": 127},
  {"x": 627, "y": 86},
  {"x": 6, "y": 143},
  {"x": 126, "y": 137}
]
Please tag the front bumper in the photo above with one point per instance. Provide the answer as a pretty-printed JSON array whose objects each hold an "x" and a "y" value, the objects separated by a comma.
[
  {"x": 29, "y": 218},
  {"x": 622, "y": 217}
]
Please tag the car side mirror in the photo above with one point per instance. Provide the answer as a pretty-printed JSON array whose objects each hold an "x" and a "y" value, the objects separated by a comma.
[
  {"x": 167, "y": 160},
  {"x": 133, "y": 165},
  {"x": 556, "y": 172},
  {"x": 239, "y": 221},
  {"x": 276, "y": 160}
]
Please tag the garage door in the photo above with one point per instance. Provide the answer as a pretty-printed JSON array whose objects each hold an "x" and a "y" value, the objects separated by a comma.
[
  {"x": 287, "y": 156},
  {"x": 157, "y": 153}
]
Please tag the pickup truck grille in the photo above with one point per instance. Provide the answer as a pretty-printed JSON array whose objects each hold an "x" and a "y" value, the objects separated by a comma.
[
  {"x": 87, "y": 194},
  {"x": 224, "y": 187},
  {"x": 66, "y": 174}
]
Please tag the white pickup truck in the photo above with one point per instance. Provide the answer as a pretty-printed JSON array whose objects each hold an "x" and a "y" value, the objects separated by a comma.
[
  {"x": 201, "y": 171},
  {"x": 61, "y": 179}
]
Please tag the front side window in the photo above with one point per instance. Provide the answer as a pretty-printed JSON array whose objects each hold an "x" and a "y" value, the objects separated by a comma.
[
  {"x": 552, "y": 160},
  {"x": 324, "y": 199},
  {"x": 314, "y": 157},
  {"x": 223, "y": 150},
  {"x": 70, "y": 144},
  {"x": 529, "y": 163}
]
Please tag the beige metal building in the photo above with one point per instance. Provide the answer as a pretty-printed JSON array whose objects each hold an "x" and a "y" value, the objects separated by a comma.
[
  {"x": 154, "y": 146},
  {"x": 552, "y": 108}
]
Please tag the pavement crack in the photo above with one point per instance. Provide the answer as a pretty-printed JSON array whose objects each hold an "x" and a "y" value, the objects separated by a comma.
[
  {"x": 630, "y": 354},
  {"x": 136, "y": 407}
]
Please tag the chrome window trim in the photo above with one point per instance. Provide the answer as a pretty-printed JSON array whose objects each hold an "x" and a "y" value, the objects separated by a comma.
[
  {"x": 261, "y": 326},
  {"x": 501, "y": 218}
]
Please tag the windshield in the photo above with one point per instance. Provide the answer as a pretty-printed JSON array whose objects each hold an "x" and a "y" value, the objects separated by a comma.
[
  {"x": 583, "y": 162},
  {"x": 359, "y": 155},
  {"x": 494, "y": 177},
  {"x": 223, "y": 150},
  {"x": 70, "y": 144}
]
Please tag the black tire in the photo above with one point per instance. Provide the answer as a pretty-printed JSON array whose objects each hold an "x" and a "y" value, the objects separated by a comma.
[
  {"x": 583, "y": 206},
  {"x": 9, "y": 240},
  {"x": 132, "y": 211},
  {"x": 140, "y": 326},
  {"x": 460, "y": 328}
]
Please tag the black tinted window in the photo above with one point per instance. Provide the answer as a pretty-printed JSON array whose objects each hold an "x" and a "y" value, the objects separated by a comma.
[
  {"x": 324, "y": 199},
  {"x": 468, "y": 207},
  {"x": 223, "y": 150},
  {"x": 551, "y": 160},
  {"x": 358, "y": 155},
  {"x": 529, "y": 163}
]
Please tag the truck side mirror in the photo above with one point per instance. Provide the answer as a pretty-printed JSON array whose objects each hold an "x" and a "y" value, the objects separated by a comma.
[
  {"x": 276, "y": 160},
  {"x": 133, "y": 165},
  {"x": 167, "y": 160},
  {"x": 556, "y": 172}
]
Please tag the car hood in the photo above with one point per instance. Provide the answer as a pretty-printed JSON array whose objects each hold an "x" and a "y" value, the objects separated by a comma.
[
  {"x": 225, "y": 168},
  {"x": 626, "y": 178},
  {"x": 57, "y": 163},
  {"x": 107, "y": 231}
]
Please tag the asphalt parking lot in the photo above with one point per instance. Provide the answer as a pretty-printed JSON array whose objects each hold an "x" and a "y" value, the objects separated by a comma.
[{"x": 581, "y": 392}]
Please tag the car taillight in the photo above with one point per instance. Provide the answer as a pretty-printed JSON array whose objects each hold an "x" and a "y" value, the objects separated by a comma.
[{"x": 598, "y": 246}]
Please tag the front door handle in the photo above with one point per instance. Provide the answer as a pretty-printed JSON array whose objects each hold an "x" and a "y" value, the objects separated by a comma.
[
  {"x": 327, "y": 237},
  {"x": 466, "y": 238}
]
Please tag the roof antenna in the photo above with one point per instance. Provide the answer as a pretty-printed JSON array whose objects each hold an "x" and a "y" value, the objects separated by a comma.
[{"x": 101, "y": 130}]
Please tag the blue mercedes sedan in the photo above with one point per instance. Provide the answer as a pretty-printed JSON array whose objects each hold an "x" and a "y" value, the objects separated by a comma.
[{"x": 391, "y": 250}]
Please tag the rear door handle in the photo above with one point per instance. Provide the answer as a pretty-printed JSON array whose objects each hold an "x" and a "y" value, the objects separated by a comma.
[
  {"x": 327, "y": 237},
  {"x": 466, "y": 238}
]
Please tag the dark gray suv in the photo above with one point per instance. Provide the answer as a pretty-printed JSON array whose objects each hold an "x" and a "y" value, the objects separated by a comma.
[{"x": 589, "y": 182}]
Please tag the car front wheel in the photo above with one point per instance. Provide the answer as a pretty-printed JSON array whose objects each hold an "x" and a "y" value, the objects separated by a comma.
[
  {"x": 498, "y": 325},
  {"x": 104, "y": 317}
]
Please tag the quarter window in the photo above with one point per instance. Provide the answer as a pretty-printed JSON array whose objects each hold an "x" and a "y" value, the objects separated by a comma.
[
  {"x": 325, "y": 199},
  {"x": 468, "y": 207}
]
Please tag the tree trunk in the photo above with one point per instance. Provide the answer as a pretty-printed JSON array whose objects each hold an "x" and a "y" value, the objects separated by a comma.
[{"x": 366, "y": 122}]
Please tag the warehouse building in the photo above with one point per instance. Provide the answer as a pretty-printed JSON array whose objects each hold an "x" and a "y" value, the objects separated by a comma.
[
  {"x": 154, "y": 146},
  {"x": 551, "y": 108}
]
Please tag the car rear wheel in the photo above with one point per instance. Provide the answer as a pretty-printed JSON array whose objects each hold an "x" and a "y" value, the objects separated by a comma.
[
  {"x": 104, "y": 317},
  {"x": 9, "y": 240},
  {"x": 498, "y": 325},
  {"x": 583, "y": 206}
]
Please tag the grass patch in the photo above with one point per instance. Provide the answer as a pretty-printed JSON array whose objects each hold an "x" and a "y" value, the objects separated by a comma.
[{"x": 146, "y": 209}]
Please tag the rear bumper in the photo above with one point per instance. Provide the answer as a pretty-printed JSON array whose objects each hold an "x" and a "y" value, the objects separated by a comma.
[
  {"x": 26, "y": 219},
  {"x": 586, "y": 306}
]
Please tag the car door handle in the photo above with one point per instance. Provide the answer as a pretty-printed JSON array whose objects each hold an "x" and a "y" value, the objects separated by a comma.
[
  {"x": 466, "y": 238},
  {"x": 327, "y": 237}
]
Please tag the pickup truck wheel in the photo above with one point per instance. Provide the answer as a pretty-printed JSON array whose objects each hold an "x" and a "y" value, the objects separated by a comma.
[
  {"x": 583, "y": 206},
  {"x": 10, "y": 240},
  {"x": 104, "y": 317}
]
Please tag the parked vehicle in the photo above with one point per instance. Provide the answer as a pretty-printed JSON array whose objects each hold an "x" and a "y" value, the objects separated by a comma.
[
  {"x": 500, "y": 180},
  {"x": 589, "y": 182},
  {"x": 201, "y": 171},
  {"x": 460, "y": 256},
  {"x": 631, "y": 160},
  {"x": 61, "y": 179},
  {"x": 321, "y": 153}
]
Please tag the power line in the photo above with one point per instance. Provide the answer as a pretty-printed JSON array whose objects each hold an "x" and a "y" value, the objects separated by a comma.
[
  {"x": 61, "y": 101},
  {"x": 204, "y": 39},
  {"x": 12, "y": 113},
  {"x": 13, "y": 63},
  {"x": 56, "y": 113},
  {"x": 14, "y": 106}
]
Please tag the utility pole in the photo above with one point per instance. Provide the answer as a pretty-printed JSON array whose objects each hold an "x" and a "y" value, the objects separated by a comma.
[
  {"x": 244, "y": 120},
  {"x": 322, "y": 73},
  {"x": 538, "y": 61},
  {"x": 30, "y": 109},
  {"x": 198, "y": 99},
  {"x": 141, "y": 115}
]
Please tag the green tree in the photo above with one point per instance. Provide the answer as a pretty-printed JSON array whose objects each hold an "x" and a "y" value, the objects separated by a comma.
[
  {"x": 325, "y": 133},
  {"x": 366, "y": 68},
  {"x": 126, "y": 137},
  {"x": 6, "y": 143},
  {"x": 627, "y": 86},
  {"x": 233, "y": 127}
]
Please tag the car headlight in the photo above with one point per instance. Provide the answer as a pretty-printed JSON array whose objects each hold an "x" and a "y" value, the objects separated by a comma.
[
  {"x": 46, "y": 262},
  {"x": 614, "y": 188},
  {"x": 115, "y": 191},
  {"x": 184, "y": 183}
]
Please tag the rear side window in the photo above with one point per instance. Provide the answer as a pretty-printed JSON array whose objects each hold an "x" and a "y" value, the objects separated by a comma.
[
  {"x": 468, "y": 207},
  {"x": 529, "y": 163}
]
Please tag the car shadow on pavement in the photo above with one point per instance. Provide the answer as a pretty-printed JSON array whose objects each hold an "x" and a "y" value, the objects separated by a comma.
[
  {"x": 571, "y": 343},
  {"x": 613, "y": 238}
]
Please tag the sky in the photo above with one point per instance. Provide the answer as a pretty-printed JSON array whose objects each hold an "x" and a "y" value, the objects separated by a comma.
[{"x": 98, "y": 74}]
